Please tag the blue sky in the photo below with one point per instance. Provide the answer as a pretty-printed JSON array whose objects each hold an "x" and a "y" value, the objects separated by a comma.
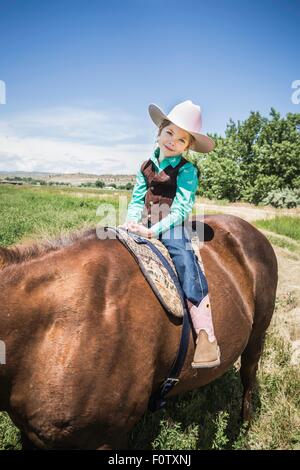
[{"x": 79, "y": 75}]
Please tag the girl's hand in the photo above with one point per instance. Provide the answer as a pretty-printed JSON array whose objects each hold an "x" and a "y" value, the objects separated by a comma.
[
  {"x": 139, "y": 229},
  {"x": 143, "y": 231},
  {"x": 130, "y": 225}
]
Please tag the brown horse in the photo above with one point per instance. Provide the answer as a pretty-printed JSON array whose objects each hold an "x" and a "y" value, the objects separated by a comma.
[{"x": 87, "y": 341}]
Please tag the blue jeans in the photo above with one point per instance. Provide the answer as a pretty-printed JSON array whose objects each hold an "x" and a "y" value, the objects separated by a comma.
[{"x": 191, "y": 277}]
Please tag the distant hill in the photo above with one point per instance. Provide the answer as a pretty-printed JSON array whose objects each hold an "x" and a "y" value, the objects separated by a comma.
[{"x": 73, "y": 178}]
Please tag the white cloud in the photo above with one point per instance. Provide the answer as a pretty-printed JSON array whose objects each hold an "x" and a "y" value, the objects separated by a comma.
[{"x": 67, "y": 140}]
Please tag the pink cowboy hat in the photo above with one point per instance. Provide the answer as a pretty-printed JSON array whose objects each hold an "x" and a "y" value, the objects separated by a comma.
[{"x": 187, "y": 116}]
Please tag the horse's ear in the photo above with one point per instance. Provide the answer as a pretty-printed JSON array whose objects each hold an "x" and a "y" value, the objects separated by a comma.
[{"x": 5, "y": 257}]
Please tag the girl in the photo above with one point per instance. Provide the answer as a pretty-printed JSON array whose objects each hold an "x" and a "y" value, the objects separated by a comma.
[{"x": 162, "y": 199}]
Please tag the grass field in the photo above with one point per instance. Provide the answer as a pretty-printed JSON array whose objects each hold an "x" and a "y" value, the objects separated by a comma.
[
  {"x": 38, "y": 212},
  {"x": 284, "y": 225},
  {"x": 203, "y": 419}
]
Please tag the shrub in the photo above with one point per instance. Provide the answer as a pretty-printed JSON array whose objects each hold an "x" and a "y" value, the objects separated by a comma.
[
  {"x": 263, "y": 184},
  {"x": 220, "y": 178},
  {"x": 100, "y": 184},
  {"x": 283, "y": 198}
]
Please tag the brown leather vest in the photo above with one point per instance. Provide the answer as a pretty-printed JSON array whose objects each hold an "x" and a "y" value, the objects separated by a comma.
[{"x": 161, "y": 191}]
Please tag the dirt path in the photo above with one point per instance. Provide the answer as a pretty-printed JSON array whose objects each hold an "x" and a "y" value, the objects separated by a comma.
[
  {"x": 287, "y": 316},
  {"x": 244, "y": 210}
]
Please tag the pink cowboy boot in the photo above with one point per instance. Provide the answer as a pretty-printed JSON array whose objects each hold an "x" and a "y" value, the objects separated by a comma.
[{"x": 207, "y": 352}]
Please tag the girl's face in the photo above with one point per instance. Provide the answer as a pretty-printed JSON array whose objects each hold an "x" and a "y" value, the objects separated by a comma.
[{"x": 173, "y": 140}]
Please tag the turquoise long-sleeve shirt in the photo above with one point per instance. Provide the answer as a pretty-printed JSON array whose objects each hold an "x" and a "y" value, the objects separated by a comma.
[{"x": 187, "y": 184}]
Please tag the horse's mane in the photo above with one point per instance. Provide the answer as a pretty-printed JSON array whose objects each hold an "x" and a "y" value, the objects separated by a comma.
[{"x": 24, "y": 252}]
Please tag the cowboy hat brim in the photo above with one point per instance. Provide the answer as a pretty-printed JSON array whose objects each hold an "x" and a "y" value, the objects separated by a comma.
[{"x": 202, "y": 143}]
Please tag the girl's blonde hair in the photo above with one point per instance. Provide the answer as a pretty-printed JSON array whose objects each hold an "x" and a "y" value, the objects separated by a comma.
[{"x": 166, "y": 123}]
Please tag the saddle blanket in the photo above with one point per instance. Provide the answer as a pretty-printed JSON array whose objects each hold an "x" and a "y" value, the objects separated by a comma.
[{"x": 153, "y": 269}]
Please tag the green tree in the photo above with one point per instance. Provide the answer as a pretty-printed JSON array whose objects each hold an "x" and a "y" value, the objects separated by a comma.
[
  {"x": 256, "y": 156},
  {"x": 99, "y": 184},
  {"x": 220, "y": 178}
]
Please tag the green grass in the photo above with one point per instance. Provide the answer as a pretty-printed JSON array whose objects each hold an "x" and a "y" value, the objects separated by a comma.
[
  {"x": 38, "y": 212},
  {"x": 208, "y": 418},
  {"x": 283, "y": 225},
  {"x": 9, "y": 434},
  {"x": 219, "y": 202},
  {"x": 205, "y": 212},
  {"x": 283, "y": 243}
]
